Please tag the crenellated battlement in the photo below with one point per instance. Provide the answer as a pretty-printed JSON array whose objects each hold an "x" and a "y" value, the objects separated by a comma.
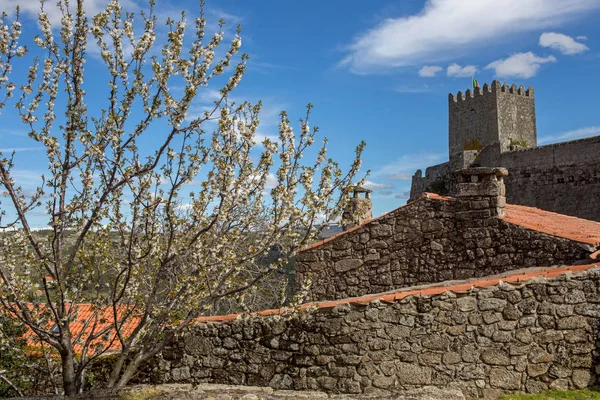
[
  {"x": 492, "y": 113},
  {"x": 495, "y": 126},
  {"x": 494, "y": 88}
]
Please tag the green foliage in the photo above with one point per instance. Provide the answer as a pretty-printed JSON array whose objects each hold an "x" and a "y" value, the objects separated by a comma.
[
  {"x": 556, "y": 395},
  {"x": 517, "y": 143},
  {"x": 11, "y": 356}
]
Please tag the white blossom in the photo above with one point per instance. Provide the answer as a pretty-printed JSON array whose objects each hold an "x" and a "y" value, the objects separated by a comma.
[{"x": 150, "y": 212}]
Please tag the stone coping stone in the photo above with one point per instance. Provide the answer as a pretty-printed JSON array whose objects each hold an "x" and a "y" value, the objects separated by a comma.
[{"x": 232, "y": 392}]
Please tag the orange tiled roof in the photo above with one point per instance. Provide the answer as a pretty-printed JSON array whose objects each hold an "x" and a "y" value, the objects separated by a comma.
[
  {"x": 426, "y": 290},
  {"x": 86, "y": 310},
  {"x": 573, "y": 228},
  {"x": 86, "y": 317}
]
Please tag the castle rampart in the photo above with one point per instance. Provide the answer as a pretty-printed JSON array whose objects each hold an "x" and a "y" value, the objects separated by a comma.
[
  {"x": 495, "y": 127},
  {"x": 494, "y": 113}
]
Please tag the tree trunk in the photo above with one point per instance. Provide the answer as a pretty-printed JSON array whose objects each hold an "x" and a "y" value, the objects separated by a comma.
[
  {"x": 116, "y": 370},
  {"x": 68, "y": 373},
  {"x": 131, "y": 369}
]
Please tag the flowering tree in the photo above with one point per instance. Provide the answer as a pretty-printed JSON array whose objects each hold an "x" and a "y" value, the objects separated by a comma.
[{"x": 146, "y": 240}]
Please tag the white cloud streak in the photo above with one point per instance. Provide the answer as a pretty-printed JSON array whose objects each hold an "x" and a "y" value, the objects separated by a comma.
[
  {"x": 31, "y": 8},
  {"x": 375, "y": 186},
  {"x": 563, "y": 43},
  {"x": 519, "y": 65},
  {"x": 457, "y": 71},
  {"x": 429, "y": 71},
  {"x": 18, "y": 149},
  {"x": 445, "y": 29},
  {"x": 412, "y": 89},
  {"x": 403, "y": 168},
  {"x": 580, "y": 133}
]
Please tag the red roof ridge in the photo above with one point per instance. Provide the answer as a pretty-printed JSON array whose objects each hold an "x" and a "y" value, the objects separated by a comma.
[
  {"x": 552, "y": 223},
  {"x": 517, "y": 276}
]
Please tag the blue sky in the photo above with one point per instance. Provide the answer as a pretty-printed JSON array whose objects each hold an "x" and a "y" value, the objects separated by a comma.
[{"x": 381, "y": 72}]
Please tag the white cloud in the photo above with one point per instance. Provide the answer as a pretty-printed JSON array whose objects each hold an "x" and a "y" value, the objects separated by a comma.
[
  {"x": 403, "y": 195},
  {"x": 412, "y": 89},
  {"x": 445, "y": 29},
  {"x": 456, "y": 71},
  {"x": 260, "y": 137},
  {"x": 24, "y": 177},
  {"x": 376, "y": 186},
  {"x": 403, "y": 168},
  {"x": 184, "y": 207},
  {"x": 271, "y": 182},
  {"x": 581, "y": 37},
  {"x": 31, "y": 8},
  {"x": 580, "y": 133},
  {"x": 17, "y": 149},
  {"x": 563, "y": 43},
  {"x": 428, "y": 71},
  {"x": 519, "y": 65}
]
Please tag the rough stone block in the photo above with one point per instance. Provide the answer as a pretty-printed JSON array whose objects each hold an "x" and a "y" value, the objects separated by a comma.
[
  {"x": 411, "y": 374},
  {"x": 505, "y": 379},
  {"x": 347, "y": 265},
  {"x": 495, "y": 357}
]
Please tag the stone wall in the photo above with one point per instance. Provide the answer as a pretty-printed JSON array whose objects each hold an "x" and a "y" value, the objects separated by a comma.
[
  {"x": 426, "y": 241},
  {"x": 527, "y": 336},
  {"x": 440, "y": 178},
  {"x": 562, "y": 177}
]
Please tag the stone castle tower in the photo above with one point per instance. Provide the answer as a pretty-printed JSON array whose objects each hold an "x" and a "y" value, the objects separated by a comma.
[
  {"x": 495, "y": 113},
  {"x": 495, "y": 126}
]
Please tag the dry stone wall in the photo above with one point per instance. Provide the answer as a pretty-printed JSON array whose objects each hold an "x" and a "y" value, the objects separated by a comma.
[
  {"x": 426, "y": 241},
  {"x": 530, "y": 337}
]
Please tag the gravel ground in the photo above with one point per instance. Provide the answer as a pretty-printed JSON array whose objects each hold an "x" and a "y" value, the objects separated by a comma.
[{"x": 226, "y": 392}]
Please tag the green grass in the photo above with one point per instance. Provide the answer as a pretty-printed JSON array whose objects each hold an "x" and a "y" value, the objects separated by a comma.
[{"x": 556, "y": 395}]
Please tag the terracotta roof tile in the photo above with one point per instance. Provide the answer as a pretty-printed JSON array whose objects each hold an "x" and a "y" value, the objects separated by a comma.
[
  {"x": 87, "y": 315},
  {"x": 573, "y": 228},
  {"x": 85, "y": 311},
  {"x": 427, "y": 290}
]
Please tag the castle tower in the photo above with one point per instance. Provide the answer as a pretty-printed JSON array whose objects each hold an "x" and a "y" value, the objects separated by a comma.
[
  {"x": 358, "y": 209},
  {"x": 496, "y": 113}
]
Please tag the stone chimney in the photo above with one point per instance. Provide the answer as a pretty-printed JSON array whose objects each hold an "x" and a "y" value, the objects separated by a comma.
[
  {"x": 358, "y": 209},
  {"x": 480, "y": 192}
]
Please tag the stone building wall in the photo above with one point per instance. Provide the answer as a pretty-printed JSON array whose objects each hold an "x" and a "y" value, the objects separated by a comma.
[
  {"x": 426, "y": 241},
  {"x": 562, "y": 177},
  {"x": 527, "y": 336}
]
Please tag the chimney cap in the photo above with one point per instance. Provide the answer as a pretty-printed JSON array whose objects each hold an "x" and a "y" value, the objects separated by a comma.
[
  {"x": 481, "y": 171},
  {"x": 358, "y": 189}
]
